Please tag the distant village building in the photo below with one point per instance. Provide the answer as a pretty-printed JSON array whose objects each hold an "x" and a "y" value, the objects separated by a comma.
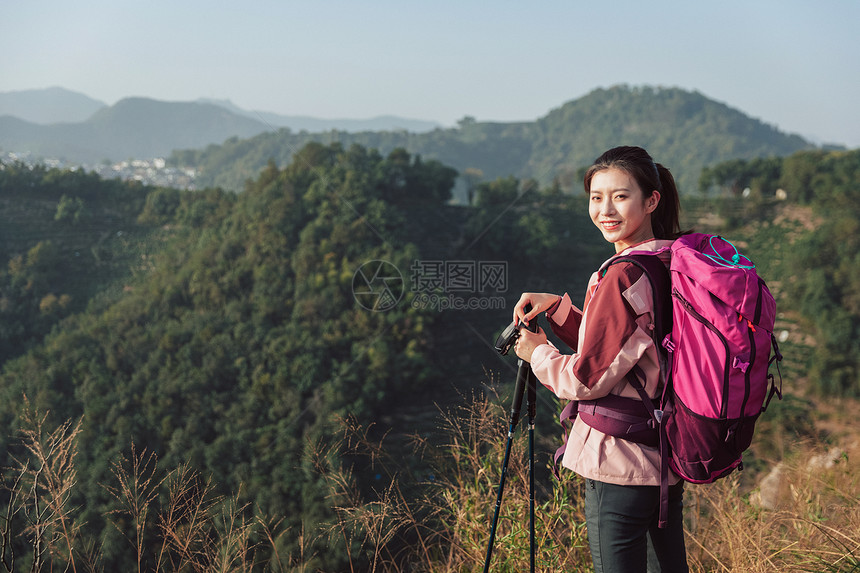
[{"x": 153, "y": 172}]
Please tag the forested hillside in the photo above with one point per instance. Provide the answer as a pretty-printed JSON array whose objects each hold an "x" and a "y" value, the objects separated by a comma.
[
  {"x": 66, "y": 239},
  {"x": 243, "y": 342},
  {"x": 683, "y": 130},
  {"x": 234, "y": 332}
]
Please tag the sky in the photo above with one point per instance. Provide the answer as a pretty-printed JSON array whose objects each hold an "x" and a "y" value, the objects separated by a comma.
[{"x": 794, "y": 64}]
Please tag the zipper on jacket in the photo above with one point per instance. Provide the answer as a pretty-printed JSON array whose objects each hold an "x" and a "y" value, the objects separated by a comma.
[{"x": 695, "y": 314}]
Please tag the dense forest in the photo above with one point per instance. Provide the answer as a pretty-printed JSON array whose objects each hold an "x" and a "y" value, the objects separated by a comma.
[
  {"x": 243, "y": 343},
  {"x": 228, "y": 331},
  {"x": 686, "y": 130}
]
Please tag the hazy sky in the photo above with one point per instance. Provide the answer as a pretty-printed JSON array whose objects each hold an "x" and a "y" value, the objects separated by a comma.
[{"x": 791, "y": 63}]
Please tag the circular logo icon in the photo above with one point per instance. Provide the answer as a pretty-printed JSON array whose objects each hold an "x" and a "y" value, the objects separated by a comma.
[{"x": 377, "y": 286}]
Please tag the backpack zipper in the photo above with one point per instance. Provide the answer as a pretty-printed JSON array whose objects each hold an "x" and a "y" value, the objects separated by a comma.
[{"x": 692, "y": 311}]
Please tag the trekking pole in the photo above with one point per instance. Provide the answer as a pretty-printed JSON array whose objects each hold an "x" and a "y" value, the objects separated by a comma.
[
  {"x": 531, "y": 407},
  {"x": 524, "y": 374}
]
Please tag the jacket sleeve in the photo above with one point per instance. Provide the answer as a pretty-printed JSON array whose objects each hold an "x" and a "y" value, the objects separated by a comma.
[
  {"x": 565, "y": 319},
  {"x": 610, "y": 342}
]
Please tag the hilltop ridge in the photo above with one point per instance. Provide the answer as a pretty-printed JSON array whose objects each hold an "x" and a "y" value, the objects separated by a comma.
[
  {"x": 56, "y": 123},
  {"x": 227, "y": 145},
  {"x": 684, "y": 130},
  {"x": 132, "y": 128},
  {"x": 49, "y": 105}
]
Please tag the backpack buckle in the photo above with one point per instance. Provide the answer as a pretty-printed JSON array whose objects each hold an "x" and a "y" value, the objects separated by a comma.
[{"x": 668, "y": 344}]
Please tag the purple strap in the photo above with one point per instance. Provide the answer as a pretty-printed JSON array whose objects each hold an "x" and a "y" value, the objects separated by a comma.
[
  {"x": 568, "y": 414},
  {"x": 633, "y": 377},
  {"x": 626, "y": 418},
  {"x": 621, "y": 417}
]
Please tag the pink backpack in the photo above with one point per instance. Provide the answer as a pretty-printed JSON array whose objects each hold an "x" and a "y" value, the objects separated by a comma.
[{"x": 715, "y": 370}]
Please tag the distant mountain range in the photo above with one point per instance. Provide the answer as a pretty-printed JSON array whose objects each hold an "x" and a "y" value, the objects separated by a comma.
[
  {"x": 50, "y": 105},
  {"x": 683, "y": 130},
  {"x": 131, "y": 128},
  {"x": 62, "y": 124},
  {"x": 315, "y": 124}
]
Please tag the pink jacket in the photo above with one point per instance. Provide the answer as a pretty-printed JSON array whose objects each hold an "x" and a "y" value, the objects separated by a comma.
[{"x": 610, "y": 335}]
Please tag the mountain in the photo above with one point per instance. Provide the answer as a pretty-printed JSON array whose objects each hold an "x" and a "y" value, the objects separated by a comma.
[
  {"x": 684, "y": 130},
  {"x": 133, "y": 127},
  {"x": 315, "y": 124},
  {"x": 50, "y": 105},
  {"x": 57, "y": 123}
]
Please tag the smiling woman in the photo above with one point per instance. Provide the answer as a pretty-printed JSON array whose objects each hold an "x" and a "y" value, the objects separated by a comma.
[{"x": 634, "y": 203}]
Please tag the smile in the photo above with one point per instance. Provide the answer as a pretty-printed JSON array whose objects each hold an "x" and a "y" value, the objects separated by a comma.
[{"x": 610, "y": 225}]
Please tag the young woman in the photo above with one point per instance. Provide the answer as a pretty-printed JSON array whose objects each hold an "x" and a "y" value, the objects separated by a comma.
[{"x": 634, "y": 203}]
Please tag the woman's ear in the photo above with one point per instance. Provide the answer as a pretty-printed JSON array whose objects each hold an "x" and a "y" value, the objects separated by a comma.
[{"x": 652, "y": 201}]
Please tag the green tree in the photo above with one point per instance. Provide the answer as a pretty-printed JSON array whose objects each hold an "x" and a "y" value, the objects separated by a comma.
[{"x": 70, "y": 210}]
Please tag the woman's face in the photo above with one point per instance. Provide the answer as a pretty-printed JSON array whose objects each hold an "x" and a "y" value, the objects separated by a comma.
[{"x": 619, "y": 208}]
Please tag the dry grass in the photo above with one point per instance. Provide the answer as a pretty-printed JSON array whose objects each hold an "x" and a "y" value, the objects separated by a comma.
[
  {"x": 443, "y": 524},
  {"x": 431, "y": 512},
  {"x": 814, "y": 524},
  {"x": 42, "y": 484},
  {"x": 195, "y": 530}
]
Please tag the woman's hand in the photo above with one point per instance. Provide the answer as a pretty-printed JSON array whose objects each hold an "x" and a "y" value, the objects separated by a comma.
[
  {"x": 528, "y": 341},
  {"x": 540, "y": 302}
]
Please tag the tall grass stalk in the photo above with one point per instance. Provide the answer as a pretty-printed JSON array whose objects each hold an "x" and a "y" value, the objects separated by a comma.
[
  {"x": 136, "y": 491},
  {"x": 177, "y": 522},
  {"x": 44, "y": 480}
]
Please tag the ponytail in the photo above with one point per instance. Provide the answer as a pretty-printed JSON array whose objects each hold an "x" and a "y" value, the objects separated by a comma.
[
  {"x": 650, "y": 176},
  {"x": 665, "y": 220}
]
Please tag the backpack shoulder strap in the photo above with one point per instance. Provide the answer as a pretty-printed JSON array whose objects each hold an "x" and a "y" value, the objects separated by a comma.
[{"x": 658, "y": 275}]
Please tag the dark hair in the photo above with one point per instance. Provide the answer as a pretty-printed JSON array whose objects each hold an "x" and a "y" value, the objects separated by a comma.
[{"x": 650, "y": 176}]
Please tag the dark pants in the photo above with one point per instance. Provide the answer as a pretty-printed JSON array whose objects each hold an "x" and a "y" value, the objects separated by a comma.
[{"x": 623, "y": 533}]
